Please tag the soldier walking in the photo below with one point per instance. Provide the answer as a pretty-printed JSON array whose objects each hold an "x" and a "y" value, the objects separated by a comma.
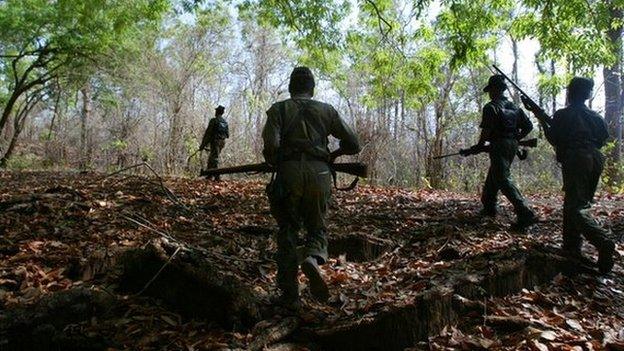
[
  {"x": 503, "y": 124},
  {"x": 215, "y": 135},
  {"x": 296, "y": 143},
  {"x": 577, "y": 134}
]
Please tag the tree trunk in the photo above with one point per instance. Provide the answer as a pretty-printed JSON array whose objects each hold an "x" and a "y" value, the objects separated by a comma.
[
  {"x": 613, "y": 84},
  {"x": 8, "y": 108},
  {"x": 514, "y": 71},
  {"x": 175, "y": 136},
  {"x": 85, "y": 116},
  {"x": 17, "y": 130},
  {"x": 553, "y": 97}
]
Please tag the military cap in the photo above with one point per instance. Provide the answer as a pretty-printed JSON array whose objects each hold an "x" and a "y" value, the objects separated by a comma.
[
  {"x": 496, "y": 82},
  {"x": 581, "y": 87},
  {"x": 301, "y": 80}
]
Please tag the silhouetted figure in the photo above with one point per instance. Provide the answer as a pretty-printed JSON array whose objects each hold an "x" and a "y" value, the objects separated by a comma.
[
  {"x": 503, "y": 124},
  {"x": 296, "y": 142},
  {"x": 215, "y": 135},
  {"x": 578, "y": 133}
]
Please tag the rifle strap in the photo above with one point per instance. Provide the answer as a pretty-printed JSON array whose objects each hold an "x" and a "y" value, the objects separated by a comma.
[{"x": 351, "y": 186}]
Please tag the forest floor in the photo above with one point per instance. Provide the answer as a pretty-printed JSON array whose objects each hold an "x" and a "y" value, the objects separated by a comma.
[{"x": 408, "y": 269}]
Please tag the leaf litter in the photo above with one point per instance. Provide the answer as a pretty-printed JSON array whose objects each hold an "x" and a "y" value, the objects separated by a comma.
[{"x": 63, "y": 230}]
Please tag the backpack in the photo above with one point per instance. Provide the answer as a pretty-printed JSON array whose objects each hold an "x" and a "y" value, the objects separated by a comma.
[
  {"x": 221, "y": 128},
  {"x": 507, "y": 121}
]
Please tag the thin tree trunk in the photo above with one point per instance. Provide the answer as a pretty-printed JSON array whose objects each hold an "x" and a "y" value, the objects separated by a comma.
[
  {"x": 613, "y": 81},
  {"x": 553, "y": 97},
  {"x": 17, "y": 130},
  {"x": 85, "y": 116},
  {"x": 514, "y": 71}
]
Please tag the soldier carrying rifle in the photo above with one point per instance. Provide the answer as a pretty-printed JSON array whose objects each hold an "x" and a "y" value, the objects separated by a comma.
[
  {"x": 215, "y": 135},
  {"x": 578, "y": 133},
  {"x": 296, "y": 144},
  {"x": 503, "y": 124}
]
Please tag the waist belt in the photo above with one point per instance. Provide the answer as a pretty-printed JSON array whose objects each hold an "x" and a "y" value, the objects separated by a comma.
[
  {"x": 303, "y": 156},
  {"x": 504, "y": 137}
]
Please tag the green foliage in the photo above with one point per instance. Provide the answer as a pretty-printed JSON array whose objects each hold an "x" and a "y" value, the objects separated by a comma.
[
  {"x": 119, "y": 145},
  {"x": 27, "y": 161},
  {"x": 73, "y": 33},
  {"x": 470, "y": 28},
  {"x": 613, "y": 175},
  {"x": 571, "y": 30},
  {"x": 311, "y": 23}
]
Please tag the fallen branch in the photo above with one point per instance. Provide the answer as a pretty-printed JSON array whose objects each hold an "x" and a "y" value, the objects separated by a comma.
[
  {"x": 170, "y": 194},
  {"x": 274, "y": 333},
  {"x": 507, "y": 323},
  {"x": 159, "y": 271}
]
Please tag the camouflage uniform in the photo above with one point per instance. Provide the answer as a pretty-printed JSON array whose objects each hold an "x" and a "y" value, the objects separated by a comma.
[
  {"x": 507, "y": 124},
  {"x": 215, "y": 135},
  {"x": 578, "y": 133},
  {"x": 296, "y": 140}
]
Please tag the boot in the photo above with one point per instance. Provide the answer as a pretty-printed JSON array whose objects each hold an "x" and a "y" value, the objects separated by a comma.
[
  {"x": 575, "y": 254},
  {"x": 525, "y": 221},
  {"x": 605, "y": 257},
  {"x": 318, "y": 287},
  {"x": 486, "y": 212},
  {"x": 286, "y": 302}
]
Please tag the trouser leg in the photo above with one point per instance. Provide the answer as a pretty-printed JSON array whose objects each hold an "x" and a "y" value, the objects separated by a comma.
[
  {"x": 571, "y": 236},
  {"x": 501, "y": 157},
  {"x": 490, "y": 193},
  {"x": 215, "y": 151},
  {"x": 580, "y": 176},
  {"x": 284, "y": 201},
  {"x": 286, "y": 258},
  {"x": 313, "y": 210}
]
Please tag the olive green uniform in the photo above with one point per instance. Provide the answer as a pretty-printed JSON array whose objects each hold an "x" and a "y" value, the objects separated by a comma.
[
  {"x": 578, "y": 133},
  {"x": 507, "y": 124},
  {"x": 296, "y": 141},
  {"x": 215, "y": 135}
]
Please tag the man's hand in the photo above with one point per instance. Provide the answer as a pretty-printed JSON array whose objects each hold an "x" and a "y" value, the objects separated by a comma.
[
  {"x": 334, "y": 155},
  {"x": 530, "y": 104},
  {"x": 533, "y": 107},
  {"x": 473, "y": 150}
]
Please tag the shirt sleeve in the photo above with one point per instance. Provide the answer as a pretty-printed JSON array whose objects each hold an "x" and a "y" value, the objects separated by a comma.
[
  {"x": 524, "y": 124},
  {"x": 349, "y": 143},
  {"x": 555, "y": 130},
  {"x": 601, "y": 130},
  {"x": 207, "y": 135},
  {"x": 271, "y": 136},
  {"x": 487, "y": 117}
]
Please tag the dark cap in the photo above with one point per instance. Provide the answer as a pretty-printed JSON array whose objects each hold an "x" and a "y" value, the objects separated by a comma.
[
  {"x": 580, "y": 88},
  {"x": 301, "y": 80},
  {"x": 496, "y": 83},
  {"x": 220, "y": 109}
]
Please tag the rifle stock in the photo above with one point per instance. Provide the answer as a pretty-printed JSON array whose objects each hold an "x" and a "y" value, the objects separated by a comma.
[
  {"x": 528, "y": 142},
  {"x": 353, "y": 168}
]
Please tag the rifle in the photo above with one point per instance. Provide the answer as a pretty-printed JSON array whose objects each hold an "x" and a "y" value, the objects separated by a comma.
[
  {"x": 353, "y": 168},
  {"x": 522, "y": 154},
  {"x": 528, "y": 102}
]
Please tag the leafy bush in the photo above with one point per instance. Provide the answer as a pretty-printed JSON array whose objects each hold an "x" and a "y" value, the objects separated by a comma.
[{"x": 25, "y": 161}]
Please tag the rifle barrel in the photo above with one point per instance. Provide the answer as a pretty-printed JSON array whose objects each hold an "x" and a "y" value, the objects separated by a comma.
[
  {"x": 510, "y": 81},
  {"x": 445, "y": 156},
  {"x": 354, "y": 168}
]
